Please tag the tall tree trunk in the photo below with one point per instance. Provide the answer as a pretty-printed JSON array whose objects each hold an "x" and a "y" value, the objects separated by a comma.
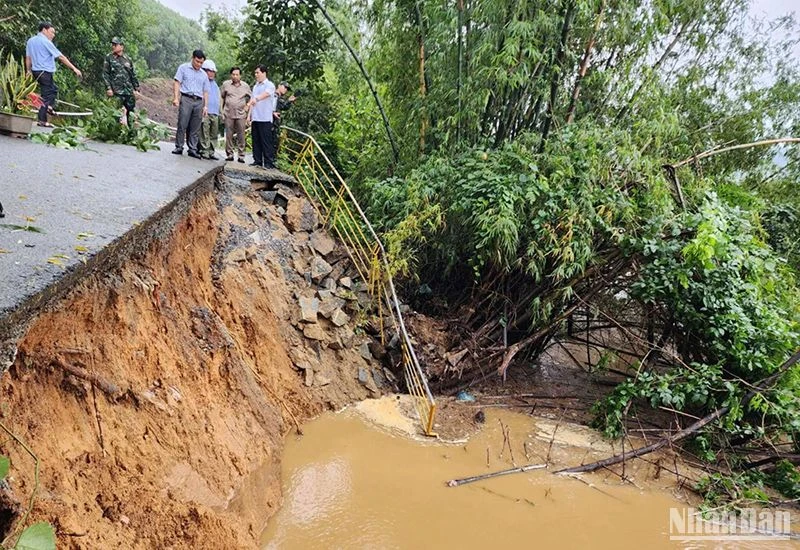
[
  {"x": 584, "y": 66},
  {"x": 423, "y": 88},
  {"x": 488, "y": 120},
  {"x": 460, "y": 50},
  {"x": 562, "y": 47},
  {"x": 357, "y": 59},
  {"x": 653, "y": 69}
]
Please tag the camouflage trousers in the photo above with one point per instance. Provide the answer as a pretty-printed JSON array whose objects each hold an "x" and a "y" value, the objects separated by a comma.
[
  {"x": 129, "y": 102},
  {"x": 209, "y": 131}
]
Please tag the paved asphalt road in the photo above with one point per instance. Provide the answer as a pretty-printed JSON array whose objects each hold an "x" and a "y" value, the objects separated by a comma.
[{"x": 81, "y": 200}]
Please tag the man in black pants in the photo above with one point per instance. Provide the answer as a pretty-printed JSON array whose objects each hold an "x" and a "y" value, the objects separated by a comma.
[
  {"x": 40, "y": 61},
  {"x": 190, "y": 94},
  {"x": 262, "y": 105}
]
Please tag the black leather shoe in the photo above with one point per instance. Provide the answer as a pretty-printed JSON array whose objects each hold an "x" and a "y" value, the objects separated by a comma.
[
  {"x": 212, "y": 157},
  {"x": 240, "y": 160},
  {"x": 229, "y": 159},
  {"x": 194, "y": 155},
  {"x": 254, "y": 164},
  {"x": 177, "y": 151}
]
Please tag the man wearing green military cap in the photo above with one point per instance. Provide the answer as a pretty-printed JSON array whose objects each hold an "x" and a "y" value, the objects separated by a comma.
[{"x": 120, "y": 77}]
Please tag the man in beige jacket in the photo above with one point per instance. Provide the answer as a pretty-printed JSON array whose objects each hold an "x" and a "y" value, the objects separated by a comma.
[{"x": 235, "y": 95}]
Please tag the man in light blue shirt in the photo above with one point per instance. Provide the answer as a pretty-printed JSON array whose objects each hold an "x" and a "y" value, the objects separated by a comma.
[
  {"x": 209, "y": 130},
  {"x": 262, "y": 105},
  {"x": 190, "y": 95},
  {"x": 40, "y": 61}
]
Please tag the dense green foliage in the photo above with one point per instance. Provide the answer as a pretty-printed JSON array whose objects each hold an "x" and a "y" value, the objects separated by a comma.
[
  {"x": 168, "y": 39},
  {"x": 287, "y": 37},
  {"x": 531, "y": 186},
  {"x": 84, "y": 31},
  {"x": 223, "y": 32}
]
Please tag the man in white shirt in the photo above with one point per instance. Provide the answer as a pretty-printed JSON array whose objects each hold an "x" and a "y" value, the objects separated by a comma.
[{"x": 262, "y": 105}]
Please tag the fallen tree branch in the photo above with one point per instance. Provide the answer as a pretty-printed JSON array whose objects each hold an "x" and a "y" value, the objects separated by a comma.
[
  {"x": 552, "y": 326},
  {"x": 733, "y": 148},
  {"x": 465, "y": 480},
  {"x": 689, "y": 430}
]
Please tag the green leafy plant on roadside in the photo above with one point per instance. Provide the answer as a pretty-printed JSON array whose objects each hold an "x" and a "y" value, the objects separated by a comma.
[
  {"x": 63, "y": 137},
  {"x": 16, "y": 84},
  {"x": 40, "y": 535},
  {"x": 104, "y": 125}
]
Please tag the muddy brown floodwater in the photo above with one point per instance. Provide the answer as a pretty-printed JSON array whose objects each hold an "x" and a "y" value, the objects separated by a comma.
[{"x": 355, "y": 481}]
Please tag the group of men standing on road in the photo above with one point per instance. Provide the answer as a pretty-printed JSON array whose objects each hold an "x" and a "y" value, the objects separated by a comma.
[
  {"x": 199, "y": 99},
  {"x": 200, "y": 103}
]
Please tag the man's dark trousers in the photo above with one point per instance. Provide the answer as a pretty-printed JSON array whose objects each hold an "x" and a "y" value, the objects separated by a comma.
[
  {"x": 263, "y": 153},
  {"x": 190, "y": 116},
  {"x": 48, "y": 91}
]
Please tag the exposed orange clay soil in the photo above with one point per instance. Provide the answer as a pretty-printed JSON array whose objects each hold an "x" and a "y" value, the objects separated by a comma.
[{"x": 157, "y": 397}]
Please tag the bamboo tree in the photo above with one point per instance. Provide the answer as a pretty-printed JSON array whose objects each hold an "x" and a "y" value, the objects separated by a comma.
[
  {"x": 459, "y": 56},
  {"x": 423, "y": 88},
  {"x": 357, "y": 59},
  {"x": 584, "y": 65},
  {"x": 556, "y": 71}
]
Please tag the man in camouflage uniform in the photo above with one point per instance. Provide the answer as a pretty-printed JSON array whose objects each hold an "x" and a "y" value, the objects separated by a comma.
[{"x": 120, "y": 77}]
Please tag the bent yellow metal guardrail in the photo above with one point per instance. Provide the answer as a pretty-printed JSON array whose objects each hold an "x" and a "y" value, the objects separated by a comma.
[{"x": 341, "y": 212}]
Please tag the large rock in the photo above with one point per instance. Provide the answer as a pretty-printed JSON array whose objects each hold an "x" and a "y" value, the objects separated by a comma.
[
  {"x": 322, "y": 243},
  {"x": 314, "y": 332},
  {"x": 339, "y": 318},
  {"x": 308, "y": 309},
  {"x": 346, "y": 336},
  {"x": 377, "y": 350},
  {"x": 300, "y": 215},
  {"x": 281, "y": 198},
  {"x": 363, "y": 349},
  {"x": 319, "y": 269},
  {"x": 299, "y": 265},
  {"x": 328, "y": 284},
  {"x": 329, "y": 306}
]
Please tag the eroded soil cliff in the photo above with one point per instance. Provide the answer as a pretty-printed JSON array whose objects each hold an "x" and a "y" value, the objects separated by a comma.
[{"x": 156, "y": 396}]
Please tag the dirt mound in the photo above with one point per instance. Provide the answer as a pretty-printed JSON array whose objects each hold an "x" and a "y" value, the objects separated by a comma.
[
  {"x": 156, "y": 97},
  {"x": 156, "y": 397}
]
